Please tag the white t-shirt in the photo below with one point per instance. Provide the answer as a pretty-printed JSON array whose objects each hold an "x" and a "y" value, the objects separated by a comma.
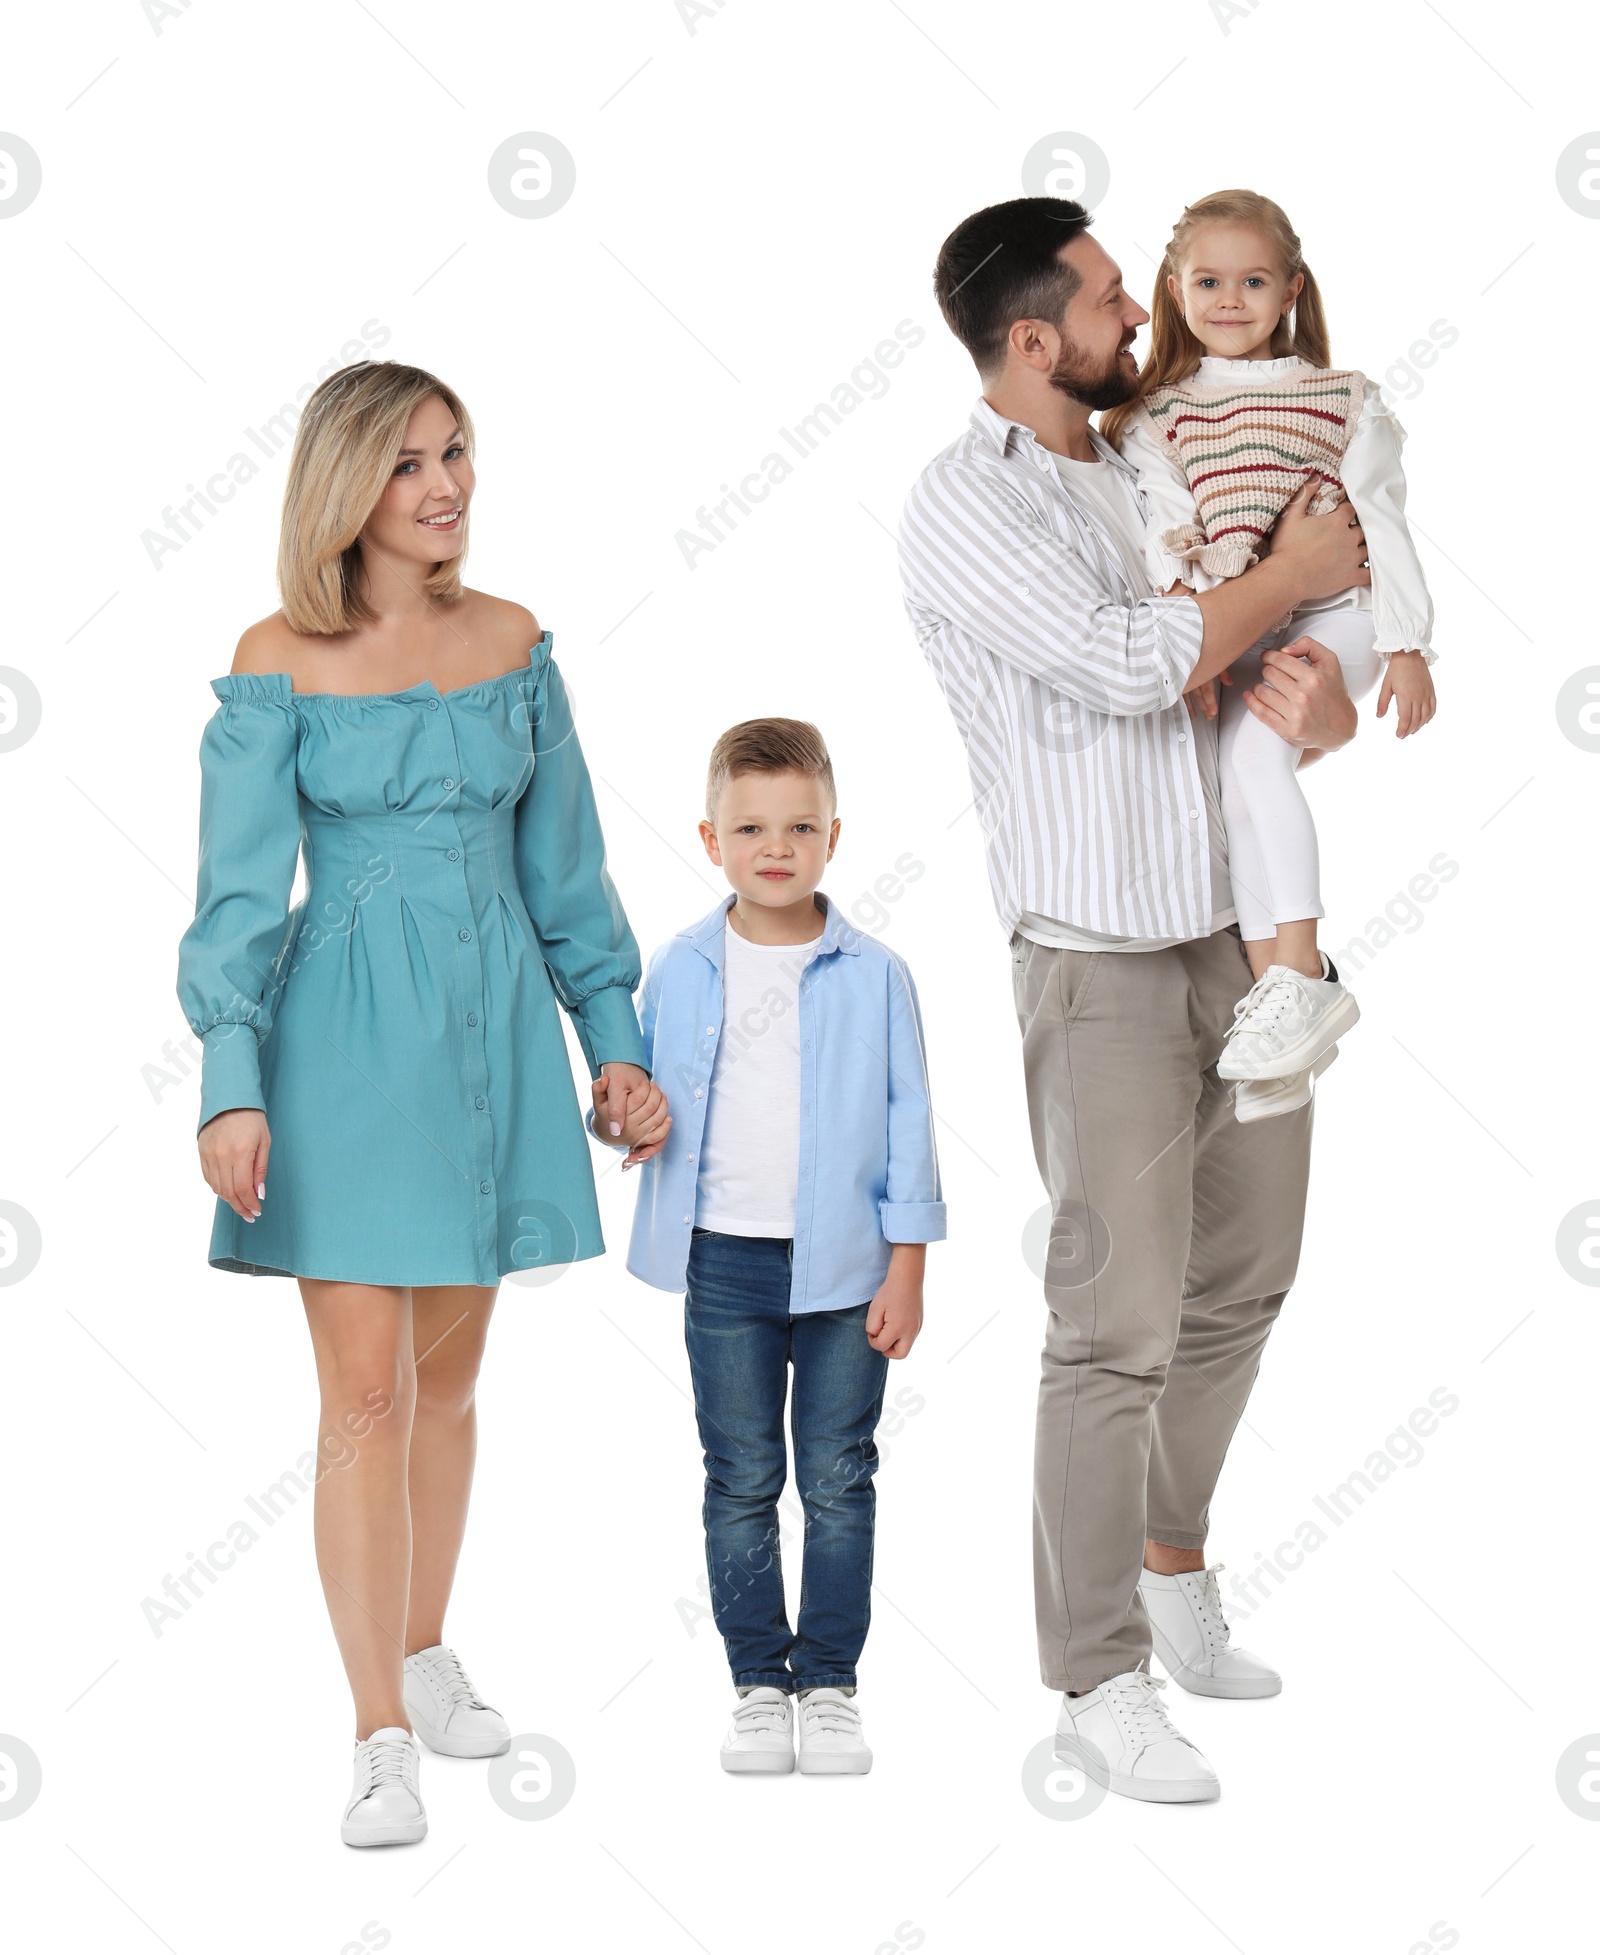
[
  {"x": 750, "y": 1152},
  {"x": 1114, "y": 498}
]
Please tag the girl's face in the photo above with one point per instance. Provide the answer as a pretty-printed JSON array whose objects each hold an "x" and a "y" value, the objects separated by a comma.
[
  {"x": 421, "y": 516},
  {"x": 1234, "y": 290}
]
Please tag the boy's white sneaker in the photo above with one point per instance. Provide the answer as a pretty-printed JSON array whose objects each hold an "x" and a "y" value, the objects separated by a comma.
[
  {"x": 1283, "y": 1022},
  {"x": 1190, "y": 1634},
  {"x": 1122, "y": 1737},
  {"x": 385, "y": 1807},
  {"x": 761, "y": 1736},
  {"x": 1260, "y": 1099},
  {"x": 830, "y": 1733},
  {"x": 448, "y": 1714}
]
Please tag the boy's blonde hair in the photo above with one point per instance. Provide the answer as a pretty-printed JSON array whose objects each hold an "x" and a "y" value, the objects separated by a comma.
[
  {"x": 1174, "y": 350},
  {"x": 345, "y": 449},
  {"x": 768, "y": 747}
]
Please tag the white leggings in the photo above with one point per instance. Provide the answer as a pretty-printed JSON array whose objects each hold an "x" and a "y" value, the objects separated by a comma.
[{"x": 1272, "y": 840}]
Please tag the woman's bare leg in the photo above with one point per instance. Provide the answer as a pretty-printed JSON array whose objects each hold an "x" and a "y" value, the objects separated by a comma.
[
  {"x": 361, "y": 1334},
  {"x": 448, "y": 1329}
]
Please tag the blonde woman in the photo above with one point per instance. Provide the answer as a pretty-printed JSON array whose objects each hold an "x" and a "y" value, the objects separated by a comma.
[{"x": 391, "y": 1041}]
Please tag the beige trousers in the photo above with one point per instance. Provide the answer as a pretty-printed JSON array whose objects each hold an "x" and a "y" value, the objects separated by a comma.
[{"x": 1175, "y": 1235}]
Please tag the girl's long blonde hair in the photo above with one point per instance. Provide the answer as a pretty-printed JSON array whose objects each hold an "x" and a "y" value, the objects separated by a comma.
[
  {"x": 1174, "y": 350},
  {"x": 345, "y": 449}
]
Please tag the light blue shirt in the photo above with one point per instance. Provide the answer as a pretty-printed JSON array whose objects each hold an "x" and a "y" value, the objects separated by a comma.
[{"x": 869, "y": 1172}]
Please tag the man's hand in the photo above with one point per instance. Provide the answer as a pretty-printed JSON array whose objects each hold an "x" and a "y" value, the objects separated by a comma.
[
  {"x": 621, "y": 1093},
  {"x": 894, "y": 1316},
  {"x": 1325, "y": 554},
  {"x": 1303, "y": 697}
]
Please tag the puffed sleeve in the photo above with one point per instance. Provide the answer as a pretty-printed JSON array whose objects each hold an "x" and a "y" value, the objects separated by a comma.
[
  {"x": 587, "y": 946},
  {"x": 1402, "y": 610},
  {"x": 1169, "y": 505},
  {"x": 228, "y": 959},
  {"x": 913, "y": 1206}
]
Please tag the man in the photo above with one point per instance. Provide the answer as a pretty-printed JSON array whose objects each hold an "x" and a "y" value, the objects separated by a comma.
[{"x": 1176, "y": 1227}]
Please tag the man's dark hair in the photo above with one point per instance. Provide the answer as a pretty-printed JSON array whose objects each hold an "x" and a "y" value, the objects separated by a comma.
[{"x": 1000, "y": 265}]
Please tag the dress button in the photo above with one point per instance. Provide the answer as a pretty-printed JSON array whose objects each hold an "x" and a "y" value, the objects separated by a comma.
[
  {"x": 433, "y": 705},
  {"x": 454, "y": 855},
  {"x": 1183, "y": 741},
  {"x": 484, "y": 1187},
  {"x": 472, "y": 1018},
  {"x": 465, "y": 936},
  {"x": 691, "y": 1157},
  {"x": 711, "y": 1031},
  {"x": 1194, "y": 814},
  {"x": 448, "y": 782},
  {"x": 688, "y": 1218},
  {"x": 480, "y": 1101},
  {"x": 698, "y": 1092}
]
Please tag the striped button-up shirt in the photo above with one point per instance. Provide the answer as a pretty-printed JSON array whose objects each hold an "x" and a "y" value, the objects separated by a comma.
[{"x": 1096, "y": 791}]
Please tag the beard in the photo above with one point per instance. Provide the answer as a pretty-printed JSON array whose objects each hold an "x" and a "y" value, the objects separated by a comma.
[{"x": 1107, "y": 385}]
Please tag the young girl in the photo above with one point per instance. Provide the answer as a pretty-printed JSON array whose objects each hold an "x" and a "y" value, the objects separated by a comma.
[
  {"x": 398, "y": 1027},
  {"x": 1237, "y": 408}
]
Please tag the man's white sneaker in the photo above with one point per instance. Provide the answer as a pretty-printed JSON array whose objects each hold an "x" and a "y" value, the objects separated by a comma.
[
  {"x": 385, "y": 1806},
  {"x": 1260, "y": 1099},
  {"x": 1190, "y": 1634},
  {"x": 1122, "y": 1737},
  {"x": 447, "y": 1712},
  {"x": 1283, "y": 1022},
  {"x": 761, "y": 1736},
  {"x": 830, "y": 1733}
]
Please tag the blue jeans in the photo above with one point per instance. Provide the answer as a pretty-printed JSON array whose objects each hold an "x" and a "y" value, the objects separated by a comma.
[{"x": 742, "y": 1342}]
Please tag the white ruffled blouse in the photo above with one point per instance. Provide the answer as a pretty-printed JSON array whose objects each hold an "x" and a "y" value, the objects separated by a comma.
[{"x": 1372, "y": 478}]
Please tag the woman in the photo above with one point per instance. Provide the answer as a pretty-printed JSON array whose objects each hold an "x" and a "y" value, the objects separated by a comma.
[{"x": 395, "y": 1032}]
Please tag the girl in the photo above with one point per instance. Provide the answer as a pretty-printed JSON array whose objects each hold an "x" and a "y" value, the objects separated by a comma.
[
  {"x": 1237, "y": 407},
  {"x": 394, "y": 1035}
]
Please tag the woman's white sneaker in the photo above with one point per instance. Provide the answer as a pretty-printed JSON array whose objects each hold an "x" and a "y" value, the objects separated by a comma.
[
  {"x": 1190, "y": 1634},
  {"x": 1283, "y": 1022},
  {"x": 448, "y": 1714},
  {"x": 385, "y": 1807},
  {"x": 830, "y": 1733},
  {"x": 1122, "y": 1737},
  {"x": 761, "y": 1736}
]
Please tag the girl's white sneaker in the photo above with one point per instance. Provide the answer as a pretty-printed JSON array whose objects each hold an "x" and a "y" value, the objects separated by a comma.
[
  {"x": 1284, "y": 1022},
  {"x": 761, "y": 1736},
  {"x": 830, "y": 1733},
  {"x": 1260, "y": 1099},
  {"x": 385, "y": 1807},
  {"x": 447, "y": 1712}
]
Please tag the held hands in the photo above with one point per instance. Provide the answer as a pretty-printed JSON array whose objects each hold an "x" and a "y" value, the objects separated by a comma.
[
  {"x": 1407, "y": 681},
  {"x": 233, "y": 1158},
  {"x": 630, "y": 1110}
]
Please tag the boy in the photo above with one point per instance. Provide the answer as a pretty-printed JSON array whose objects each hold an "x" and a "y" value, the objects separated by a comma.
[{"x": 792, "y": 1200}]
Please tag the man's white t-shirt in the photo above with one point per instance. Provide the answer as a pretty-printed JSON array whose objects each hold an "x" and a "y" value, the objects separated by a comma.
[
  {"x": 750, "y": 1152},
  {"x": 1115, "y": 499}
]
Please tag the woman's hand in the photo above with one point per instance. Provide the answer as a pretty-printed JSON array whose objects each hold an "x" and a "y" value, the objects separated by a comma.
[
  {"x": 233, "y": 1158},
  {"x": 645, "y": 1121},
  {"x": 1409, "y": 683}
]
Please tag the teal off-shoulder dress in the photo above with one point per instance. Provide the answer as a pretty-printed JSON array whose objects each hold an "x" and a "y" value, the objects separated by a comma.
[{"x": 399, "y": 1026}]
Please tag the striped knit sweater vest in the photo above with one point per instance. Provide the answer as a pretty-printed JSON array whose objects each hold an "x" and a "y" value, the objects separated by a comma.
[{"x": 1246, "y": 451}]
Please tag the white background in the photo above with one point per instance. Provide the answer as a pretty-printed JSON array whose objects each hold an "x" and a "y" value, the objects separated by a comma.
[{"x": 759, "y": 201}]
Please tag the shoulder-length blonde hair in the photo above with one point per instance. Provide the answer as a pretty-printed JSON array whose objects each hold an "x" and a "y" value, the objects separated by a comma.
[
  {"x": 1174, "y": 350},
  {"x": 345, "y": 449}
]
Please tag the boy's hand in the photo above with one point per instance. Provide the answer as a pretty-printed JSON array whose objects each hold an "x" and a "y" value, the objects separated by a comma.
[
  {"x": 894, "y": 1316},
  {"x": 645, "y": 1121},
  {"x": 1407, "y": 681}
]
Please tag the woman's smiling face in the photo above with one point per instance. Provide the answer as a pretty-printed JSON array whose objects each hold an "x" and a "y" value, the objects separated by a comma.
[
  {"x": 1234, "y": 290},
  {"x": 422, "y": 513}
]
